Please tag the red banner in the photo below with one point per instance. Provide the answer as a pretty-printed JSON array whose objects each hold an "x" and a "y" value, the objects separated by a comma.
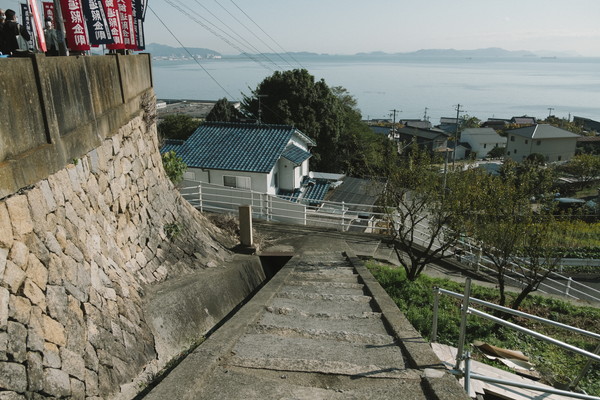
[
  {"x": 37, "y": 22},
  {"x": 114, "y": 23},
  {"x": 76, "y": 36},
  {"x": 49, "y": 10},
  {"x": 126, "y": 16}
]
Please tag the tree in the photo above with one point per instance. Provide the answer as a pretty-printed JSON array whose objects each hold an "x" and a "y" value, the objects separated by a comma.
[
  {"x": 584, "y": 167},
  {"x": 295, "y": 98},
  {"x": 428, "y": 210},
  {"x": 515, "y": 236},
  {"x": 178, "y": 126},
  {"x": 223, "y": 111},
  {"x": 497, "y": 152}
]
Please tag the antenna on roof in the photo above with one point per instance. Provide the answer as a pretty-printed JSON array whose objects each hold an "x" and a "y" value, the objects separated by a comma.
[{"x": 260, "y": 107}]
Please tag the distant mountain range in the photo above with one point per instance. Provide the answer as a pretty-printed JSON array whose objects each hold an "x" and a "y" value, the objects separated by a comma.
[{"x": 161, "y": 50}]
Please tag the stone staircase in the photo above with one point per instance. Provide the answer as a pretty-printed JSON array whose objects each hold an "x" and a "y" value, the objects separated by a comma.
[{"x": 313, "y": 332}]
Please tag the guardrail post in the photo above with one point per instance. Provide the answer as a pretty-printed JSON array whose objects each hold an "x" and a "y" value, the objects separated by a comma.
[
  {"x": 584, "y": 371},
  {"x": 568, "y": 289},
  {"x": 434, "y": 326},
  {"x": 200, "y": 197},
  {"x": 463, "y": 323},
  {"x": 467, "y": 372},
  {"x": 343, "y": 214}
]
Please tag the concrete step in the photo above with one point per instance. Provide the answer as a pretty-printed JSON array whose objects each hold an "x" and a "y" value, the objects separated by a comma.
[
  {"x": 239, "y": 384},
  {"x": 322, "y": 277},
  {"x": 369, "y": 329},
  {"x": 327, "y": 356},
  {"x": 319, "y": 307},
  {"x": 326, "y": 297},
  {"x": 325, "y": 287}
]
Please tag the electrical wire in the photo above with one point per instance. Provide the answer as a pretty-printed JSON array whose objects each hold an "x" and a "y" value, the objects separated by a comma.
[
  {"x": 241, "y": 38},
  {"x": 208, "y": 28},
  {"x": 269, "y": 36},
  {"x": 254, "y": 34},
  {"x": 190, "y": 54}
]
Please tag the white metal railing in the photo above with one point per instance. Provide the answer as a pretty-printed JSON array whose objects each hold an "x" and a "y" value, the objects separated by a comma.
[
  {"x": 354, "y": 217},
  {"x": 341, "y": 216},
  {"x": 555, "y": 283},
  {"x": 465, "y": 356}
]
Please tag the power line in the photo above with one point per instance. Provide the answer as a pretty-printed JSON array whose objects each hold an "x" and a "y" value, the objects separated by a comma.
[
  {"x": 254, "y": 34},
  {"x": 242, "y": 39},
  {"x": 190, "y": 54},
  {"x": 269, "y": 36},
  {"x": 208, "y": 28}
]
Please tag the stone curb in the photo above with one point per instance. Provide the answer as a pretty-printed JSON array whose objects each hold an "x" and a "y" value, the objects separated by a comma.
[{"x": 417, "y": 351}]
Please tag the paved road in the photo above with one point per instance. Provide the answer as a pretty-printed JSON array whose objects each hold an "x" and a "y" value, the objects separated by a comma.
[{"x": 322, "y": 328}]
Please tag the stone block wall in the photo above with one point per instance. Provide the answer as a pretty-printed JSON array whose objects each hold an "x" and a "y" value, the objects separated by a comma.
[{"x": 77, "y": 250}]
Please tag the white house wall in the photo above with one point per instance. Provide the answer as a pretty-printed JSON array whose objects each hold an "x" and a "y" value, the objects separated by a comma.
[
  {"x": 290, "y": 176},
  {"x": 553, "y": 149},
  {"x": 259, "y": 182}
]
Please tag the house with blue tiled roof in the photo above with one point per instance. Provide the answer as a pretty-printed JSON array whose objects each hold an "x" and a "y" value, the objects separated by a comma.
[{"x": 263, "y": 158}]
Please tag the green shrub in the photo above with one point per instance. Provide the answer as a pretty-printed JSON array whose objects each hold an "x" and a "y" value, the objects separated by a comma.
[
  {"x": 174, "y": 166},
  {"x": 415, "y": 300}
]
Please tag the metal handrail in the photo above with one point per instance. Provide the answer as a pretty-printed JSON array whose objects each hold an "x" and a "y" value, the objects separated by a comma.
[
  {"x": 461, "y": 355},
  {"x": 520, "y": 313}
]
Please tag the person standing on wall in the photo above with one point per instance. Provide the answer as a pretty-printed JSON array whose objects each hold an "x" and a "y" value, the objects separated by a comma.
[
  {"x": 51, "y": 36},
  {"x": 2, "y": 18},
  {"x": 10, "y": 31}
]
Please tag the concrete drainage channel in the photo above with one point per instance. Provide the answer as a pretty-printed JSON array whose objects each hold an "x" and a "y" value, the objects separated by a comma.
[{"x": 180, "y": 308}]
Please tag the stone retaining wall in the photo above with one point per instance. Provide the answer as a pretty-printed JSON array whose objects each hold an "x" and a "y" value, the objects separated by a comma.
[{"x": 77, "y": 250}]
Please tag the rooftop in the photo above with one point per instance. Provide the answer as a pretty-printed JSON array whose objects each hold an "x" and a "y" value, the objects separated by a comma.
[
  {"x": 543, "y": 131},
  {"x": 239, "y": 147}
]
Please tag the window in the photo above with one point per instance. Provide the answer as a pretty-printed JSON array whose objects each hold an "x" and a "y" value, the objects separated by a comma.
[
  {"x": 242, "y": 182},
  {"x": 512, "y": 138},
  {"x": 515, "y": 151},
  {"x": 539, "y": 142},
  {"x": 484, "y": 145},
  {"x": 526, "y": 141}
]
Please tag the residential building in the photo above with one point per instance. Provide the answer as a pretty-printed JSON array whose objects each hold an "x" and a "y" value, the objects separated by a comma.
[
  {"x": 524, "y": 120},
  {"x": 481, "y": 141},
  {"x": 553, "y": 143},
  {"x": 429, "y": 139},
  {"x": 416, "y": 123},
  {"x": 259, "y": 157},
  {"x": 588, "y": 124}
]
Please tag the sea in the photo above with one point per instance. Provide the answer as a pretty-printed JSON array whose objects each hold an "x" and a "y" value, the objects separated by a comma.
[{"x": 415, "y": 86}]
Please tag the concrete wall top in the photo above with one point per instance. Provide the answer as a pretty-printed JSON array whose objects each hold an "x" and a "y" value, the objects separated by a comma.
[{"x": 59, "y": 108}]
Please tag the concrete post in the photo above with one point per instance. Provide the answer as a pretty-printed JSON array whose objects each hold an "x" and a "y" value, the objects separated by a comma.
[{"x": 246, "y": 225}]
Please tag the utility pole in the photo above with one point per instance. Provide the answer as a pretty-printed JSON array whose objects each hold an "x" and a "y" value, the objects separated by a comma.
[
  {"x": 550, "y": 109},
  {"x": 260, "y": 106},
  {"x": 457, "y": 134},
  {"x": 394, "y": 122},
  {"x": 425, "y": 115}
]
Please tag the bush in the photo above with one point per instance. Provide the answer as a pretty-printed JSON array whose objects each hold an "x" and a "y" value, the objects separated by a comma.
[
  {"x": 174, "y": 166},
  {"x": 415, "y": 300}
]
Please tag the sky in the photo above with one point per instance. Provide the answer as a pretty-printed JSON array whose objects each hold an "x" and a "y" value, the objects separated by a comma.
[{"x": 350, "y": 26}]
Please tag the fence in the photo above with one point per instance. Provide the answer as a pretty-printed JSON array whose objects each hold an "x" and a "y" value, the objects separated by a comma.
[
  {"x": 465, "y": 356},
  {"x": 555, "y": 283},
  {"x": 348, "y": 217},
  {"x": 341, "y": 216}
]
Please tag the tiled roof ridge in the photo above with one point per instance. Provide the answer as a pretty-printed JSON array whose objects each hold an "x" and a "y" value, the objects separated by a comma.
[{"x": 249, "y": 125}]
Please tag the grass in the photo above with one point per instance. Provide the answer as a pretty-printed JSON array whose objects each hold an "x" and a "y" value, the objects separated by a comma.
[{"x": 415, "y": 300}]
